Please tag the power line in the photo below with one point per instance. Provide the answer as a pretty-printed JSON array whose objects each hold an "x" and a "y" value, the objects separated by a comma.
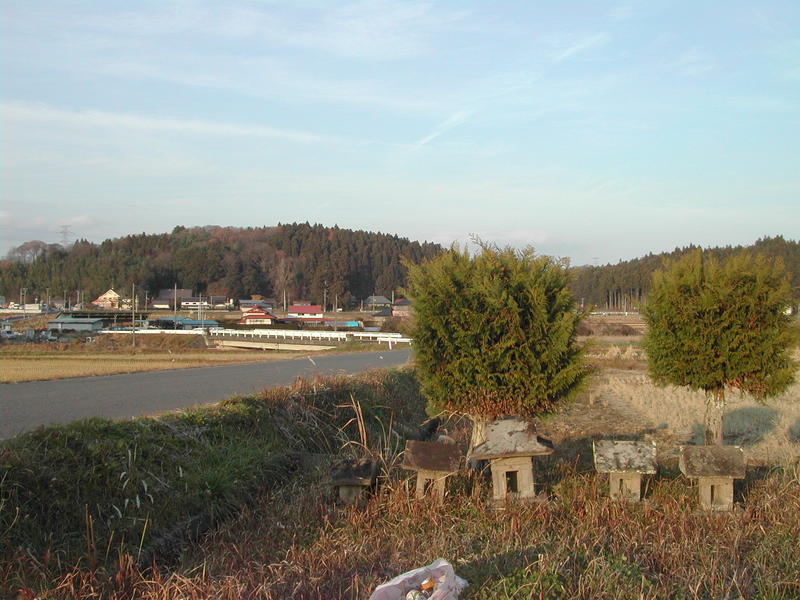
[{"x": 66, "y": 235}]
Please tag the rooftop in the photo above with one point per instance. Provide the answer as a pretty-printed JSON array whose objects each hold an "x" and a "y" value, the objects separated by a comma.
[
  {"x": 624, "y": 457},
  {"x": 431, "y": 456},
  {"x": 712, "y": 461},
  {"x": 509, "y": 437}
]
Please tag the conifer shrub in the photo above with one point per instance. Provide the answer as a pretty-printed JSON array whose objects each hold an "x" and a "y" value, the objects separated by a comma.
[
  {"x": 495, "y": 333},
  {"x": 713, "y": 326}
]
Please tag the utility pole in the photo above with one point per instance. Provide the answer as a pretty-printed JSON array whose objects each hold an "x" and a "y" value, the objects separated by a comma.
[
  {"x": 133, "y": 318},
  {"x": 175, "y": 306},
  {"x": 22, "y": 293}
]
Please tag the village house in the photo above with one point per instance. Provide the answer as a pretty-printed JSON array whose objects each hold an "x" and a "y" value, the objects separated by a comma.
[
  {"x": 625, "y": 462},
  {"x": 376, "y": 302},
  {"x": 401, "y": 308},
  {"x": 167, "y": 298},
  {"x": 257, "y": 316},
  {"x": 110, "y": 300},
  {"x": 307, "y": 313}
]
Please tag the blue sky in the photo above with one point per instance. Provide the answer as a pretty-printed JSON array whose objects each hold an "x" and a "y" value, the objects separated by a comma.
[{"x": 592, "y": 130}]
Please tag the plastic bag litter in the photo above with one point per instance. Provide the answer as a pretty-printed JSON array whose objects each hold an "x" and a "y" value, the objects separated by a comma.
[{"x": 448, "y": 585}]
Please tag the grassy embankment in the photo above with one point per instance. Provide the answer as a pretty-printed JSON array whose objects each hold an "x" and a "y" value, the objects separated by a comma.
[{"x": 80, "y": 495}]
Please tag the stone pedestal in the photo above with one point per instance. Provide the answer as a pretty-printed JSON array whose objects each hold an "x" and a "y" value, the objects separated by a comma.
[
  {"x": 625, "y": 486},
  {"x": 716, "y": 493},
  {"x": 510, "y": 444},
  {"x": 431, "y": 483},
  {"x": 512, "y": 478}
]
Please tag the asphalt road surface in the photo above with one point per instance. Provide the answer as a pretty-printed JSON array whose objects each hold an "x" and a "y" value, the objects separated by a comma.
[{"x": 24, "y": 406}]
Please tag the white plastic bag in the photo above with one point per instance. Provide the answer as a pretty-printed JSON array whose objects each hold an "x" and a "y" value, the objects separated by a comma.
[{"x": 448, "y": 585}]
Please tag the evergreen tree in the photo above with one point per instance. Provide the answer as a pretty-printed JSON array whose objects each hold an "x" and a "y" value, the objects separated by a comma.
[
  {"x": 713, "y": 326},
  {"x": 494, "y": 334}
]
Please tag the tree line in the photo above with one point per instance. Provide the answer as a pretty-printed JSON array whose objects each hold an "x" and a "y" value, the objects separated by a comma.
[
  {"x": 310, "y": 262},
  {"x": 625, "y": 286}
]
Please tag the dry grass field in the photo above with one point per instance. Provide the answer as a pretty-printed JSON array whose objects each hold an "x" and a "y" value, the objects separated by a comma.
[
  {"x": 769, "y": 432},
  {"x": 15, "y": 369}
]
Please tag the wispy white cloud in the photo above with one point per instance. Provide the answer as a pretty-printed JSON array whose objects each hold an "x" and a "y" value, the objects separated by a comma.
[
  {"x": 20, "y": 112},
  {"x": 621, "y": 12},
  {"x": 366, "y": 30},
  {"x": 449, "y": 123},
  {"x": 694, "y": 61},
  {"x": 581, "y": 45}
]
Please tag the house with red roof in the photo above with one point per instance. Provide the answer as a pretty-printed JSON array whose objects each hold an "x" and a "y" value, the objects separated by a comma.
[
  {"x": 257, "y": 316},
  {"x": 307, "y": 313}
]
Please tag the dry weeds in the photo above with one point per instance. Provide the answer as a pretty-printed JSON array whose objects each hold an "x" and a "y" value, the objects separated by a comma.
[
  {"x": 296, "y": 544},
  {"x": 59, "y": 366},
  {"x": 769, "y": 432}
]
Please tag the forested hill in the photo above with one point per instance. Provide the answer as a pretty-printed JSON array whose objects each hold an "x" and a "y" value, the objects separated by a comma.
[
  {"x": 303, "y": 259},
  {"x": 622, "y": 286}
]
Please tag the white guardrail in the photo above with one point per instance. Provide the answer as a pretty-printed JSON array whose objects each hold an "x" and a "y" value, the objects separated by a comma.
[
  {"x": 304, "y": 334},
  {"x": 282, "y": 334},
  {"x": 155, "y": 331}
]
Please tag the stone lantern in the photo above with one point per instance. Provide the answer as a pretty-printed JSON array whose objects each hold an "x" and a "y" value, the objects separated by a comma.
[
  {"x": 434, "y": 462},
  {"x": 625, "y": 463},
  {"x": 714, "y": 468},
  {"x": 351, "y": 477},
  {"x": 510, "y": 444}
]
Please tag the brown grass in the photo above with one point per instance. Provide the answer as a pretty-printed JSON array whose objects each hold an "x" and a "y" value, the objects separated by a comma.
[
  {"x": 15, "y": 369},
  {"x": 297, "y": 544},
  {"x": 769, "y": 432}
]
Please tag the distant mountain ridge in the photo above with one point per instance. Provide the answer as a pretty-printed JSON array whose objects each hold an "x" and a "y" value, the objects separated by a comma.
[
  {"x": 624, "y": 285},
  {"x": 311, "y": 262}
]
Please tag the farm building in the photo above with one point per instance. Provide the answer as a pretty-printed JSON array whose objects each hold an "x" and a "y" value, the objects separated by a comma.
[
  {"x": 183, "y": 323},
  {"x": 75, "y": 324},
  {"x": 376, "y": 302},
  {"x": 266, "y": 304},
  {"x": 206, "y": 302}
]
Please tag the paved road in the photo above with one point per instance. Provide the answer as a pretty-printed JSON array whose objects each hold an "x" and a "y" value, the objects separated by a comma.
[{"x": 24, "y": 406}]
